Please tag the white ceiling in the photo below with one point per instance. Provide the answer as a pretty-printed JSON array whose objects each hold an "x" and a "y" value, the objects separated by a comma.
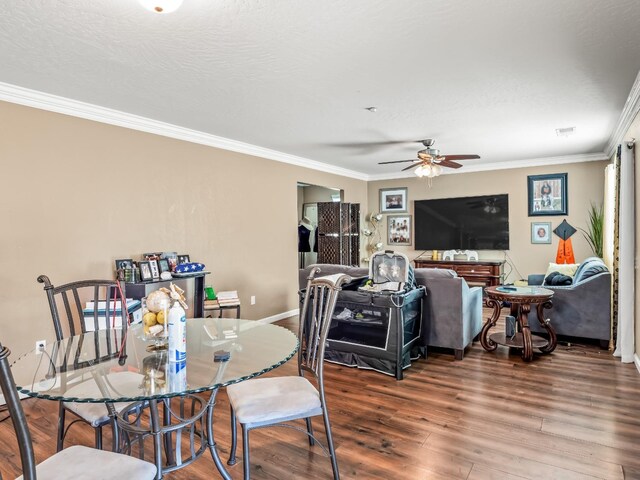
[{"x": 494, "y": 78}]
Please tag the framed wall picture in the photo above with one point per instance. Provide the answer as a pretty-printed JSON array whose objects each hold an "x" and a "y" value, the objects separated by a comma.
[
  {"x": 399, "y": 229},
  {"x": 145, "y": 271},
  {"x": 547, "y": 194},
  {"x": 393, "y": 200},
  {"x": 155, "y": 270},
  {"x": 540, "y": 232}
]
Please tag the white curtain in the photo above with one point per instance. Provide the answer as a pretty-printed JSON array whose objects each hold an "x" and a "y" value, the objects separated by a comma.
[{"x": 626, "y": 243}]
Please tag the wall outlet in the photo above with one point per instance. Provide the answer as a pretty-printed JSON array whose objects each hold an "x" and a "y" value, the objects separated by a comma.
[
  {"x": 40, "y": 346},
  {"x": 253, "y": 299}
]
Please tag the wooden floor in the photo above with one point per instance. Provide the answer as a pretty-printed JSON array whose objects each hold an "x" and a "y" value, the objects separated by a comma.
[{"x": 574, "y": 414}]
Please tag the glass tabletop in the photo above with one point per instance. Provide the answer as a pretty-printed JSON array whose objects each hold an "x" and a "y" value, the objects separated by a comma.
[
  {"x": 103, "y": 367},
  {"x": 524, "y": 291}
]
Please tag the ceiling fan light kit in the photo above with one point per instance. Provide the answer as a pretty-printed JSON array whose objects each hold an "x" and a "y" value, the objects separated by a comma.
[{"x": 429, "y": 162}]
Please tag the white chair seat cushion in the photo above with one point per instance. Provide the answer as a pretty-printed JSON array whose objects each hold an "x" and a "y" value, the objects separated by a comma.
[
  {"x": 273, "y": 400},
  {"x": 96, "y": 414},
  {"x": 84, "y": 463}
]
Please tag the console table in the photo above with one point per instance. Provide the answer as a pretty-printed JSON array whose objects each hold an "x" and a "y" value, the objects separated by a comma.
[
  {"x": 192, "y": 284},
  {"x": 487, "y": 273}
]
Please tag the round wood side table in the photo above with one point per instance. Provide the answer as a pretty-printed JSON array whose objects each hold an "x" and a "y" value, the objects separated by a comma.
[{"x": 521, "y": 300}]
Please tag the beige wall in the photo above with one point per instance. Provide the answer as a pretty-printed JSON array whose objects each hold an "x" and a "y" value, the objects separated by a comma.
[
  {"x": 76, "y": 195},
  {"x": 585, "y": 184}
]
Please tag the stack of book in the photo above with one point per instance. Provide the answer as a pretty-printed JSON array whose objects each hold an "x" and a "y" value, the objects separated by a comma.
[
  {"x": 114, "y": 320},
  {"x": 228, "y": 299}
]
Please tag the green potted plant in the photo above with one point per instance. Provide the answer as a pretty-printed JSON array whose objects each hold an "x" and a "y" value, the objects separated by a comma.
[{"x": 594, "y": 233}]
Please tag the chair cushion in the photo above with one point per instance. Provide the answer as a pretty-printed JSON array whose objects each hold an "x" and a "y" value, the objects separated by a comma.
[
  {"x": 96, "y": 414},
  {"x": 273, "y": 400},
  {"x": 84, "y": 463}
]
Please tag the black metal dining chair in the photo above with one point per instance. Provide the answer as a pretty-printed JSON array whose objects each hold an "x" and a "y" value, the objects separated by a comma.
[
  {"x": 75, "y": 462},
  {"x": 265, "y": 402},
  {"x": 69, "y": 319}
]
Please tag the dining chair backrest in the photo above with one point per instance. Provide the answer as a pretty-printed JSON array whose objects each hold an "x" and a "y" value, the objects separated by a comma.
[
  {"x": 315, "y": 320},
  {"x": 8, "y": 387},
  {"x": 68, "y": 302}
]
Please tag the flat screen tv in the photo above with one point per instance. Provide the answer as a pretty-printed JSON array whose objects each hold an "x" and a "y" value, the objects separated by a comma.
[{"x": 466, "y": 223}]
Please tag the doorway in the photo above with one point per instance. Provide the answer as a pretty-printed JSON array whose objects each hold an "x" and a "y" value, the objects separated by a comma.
[{"x": 308, "y": 198}]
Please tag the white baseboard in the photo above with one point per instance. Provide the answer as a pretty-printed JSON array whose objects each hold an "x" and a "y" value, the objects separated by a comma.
[
  {"x": 280, "y": 316},
  {"x": 636, "y": 360},
  {"x": 22, "y": 396}
]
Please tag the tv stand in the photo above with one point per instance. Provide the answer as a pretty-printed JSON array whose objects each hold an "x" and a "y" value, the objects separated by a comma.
[{"x": 474, "y": 272}]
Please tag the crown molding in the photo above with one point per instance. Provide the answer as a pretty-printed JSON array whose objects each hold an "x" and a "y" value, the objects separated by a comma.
[
  {"x": 483, "y": 167},
  {"x": 628, "y": 115},
  {"x": 53, "y": 103}
]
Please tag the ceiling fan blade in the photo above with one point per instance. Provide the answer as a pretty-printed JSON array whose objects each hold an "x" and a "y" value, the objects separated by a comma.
[
  {"x": 399, "y": 161},
  {"x": 449, "y": 163},
  {"x": 408, "y": 168},
  {"x": 461, "y": 157}
]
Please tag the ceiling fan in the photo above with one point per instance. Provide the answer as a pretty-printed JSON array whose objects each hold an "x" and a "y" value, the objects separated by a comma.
[{"x": 429, "y": 162}]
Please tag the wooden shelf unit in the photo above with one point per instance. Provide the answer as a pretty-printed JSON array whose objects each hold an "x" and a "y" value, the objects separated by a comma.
[{"x": 474, "y": 272}]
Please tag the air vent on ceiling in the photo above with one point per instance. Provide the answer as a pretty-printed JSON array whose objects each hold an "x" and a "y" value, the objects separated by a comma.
[{"x": 565, "y": 132}]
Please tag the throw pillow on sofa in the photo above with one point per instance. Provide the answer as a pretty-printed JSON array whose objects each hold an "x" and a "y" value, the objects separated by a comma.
[
  {"x": 557, "y": 278},
  {"x": 568, "y": 269},
  {"x": 591, "y": 268}
]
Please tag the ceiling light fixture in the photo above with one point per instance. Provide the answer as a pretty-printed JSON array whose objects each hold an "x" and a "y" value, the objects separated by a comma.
[
  {"x": 428, "y": 169},
  {"x": 161, "y": 6}
]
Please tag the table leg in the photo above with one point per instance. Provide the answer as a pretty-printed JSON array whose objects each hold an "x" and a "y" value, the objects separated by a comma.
[
  {"x": 488, "y": 344},
  {"x": 527, "y": 347},
  {"x": 211, "y": 441},
  {"x": 546, "y": 324},
  {"x": 156, "y": 431},
  {"x": 168, "y": 441}
]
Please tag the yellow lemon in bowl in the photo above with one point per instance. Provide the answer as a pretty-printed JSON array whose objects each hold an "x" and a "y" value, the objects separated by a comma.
[
  {"x": 160, "y": 317},
  {"x": 149, "y": 319}
]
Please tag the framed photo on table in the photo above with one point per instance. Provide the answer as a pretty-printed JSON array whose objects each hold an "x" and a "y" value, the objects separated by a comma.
[
  {"x": 155, "y": 270},
  {"x": 124, "y": 263},
  {"x": 393, "y": 200},
  {"x": 163, "y": 265},
  {"x": 547, "y": 194},
  {"x": 540, "y": 232},
  {"x": 145, "y": 271},
  {"x": 399, "y": 230},
  {"x": 183, "y": 259}
]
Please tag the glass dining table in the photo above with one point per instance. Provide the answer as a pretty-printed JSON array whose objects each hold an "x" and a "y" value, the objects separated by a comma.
[{"x": 156, "y": 398}]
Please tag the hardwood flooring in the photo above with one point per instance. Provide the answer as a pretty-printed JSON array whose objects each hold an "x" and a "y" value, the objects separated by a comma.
[{"x": 574, "y": 414}]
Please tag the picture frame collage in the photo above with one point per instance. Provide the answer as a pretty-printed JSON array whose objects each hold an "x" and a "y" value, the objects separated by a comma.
[
  {"x": 394, "y": 201},
  {"x": 547, "y": 195},
  {"x": 150, "y": 267}
]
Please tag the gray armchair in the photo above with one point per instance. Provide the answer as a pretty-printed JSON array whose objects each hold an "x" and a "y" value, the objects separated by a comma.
[
  {"x": 582, "y": 309},
  {"x": 452, "y": 311}
]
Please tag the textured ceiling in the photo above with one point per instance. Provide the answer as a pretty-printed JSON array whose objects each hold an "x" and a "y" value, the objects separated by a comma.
[{"x": 494, "y": 78}]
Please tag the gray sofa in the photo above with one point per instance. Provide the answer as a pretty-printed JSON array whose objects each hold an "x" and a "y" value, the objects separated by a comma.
[
  {"x": 582, "y": 309},
  {"x": 451, "y": 311}
]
